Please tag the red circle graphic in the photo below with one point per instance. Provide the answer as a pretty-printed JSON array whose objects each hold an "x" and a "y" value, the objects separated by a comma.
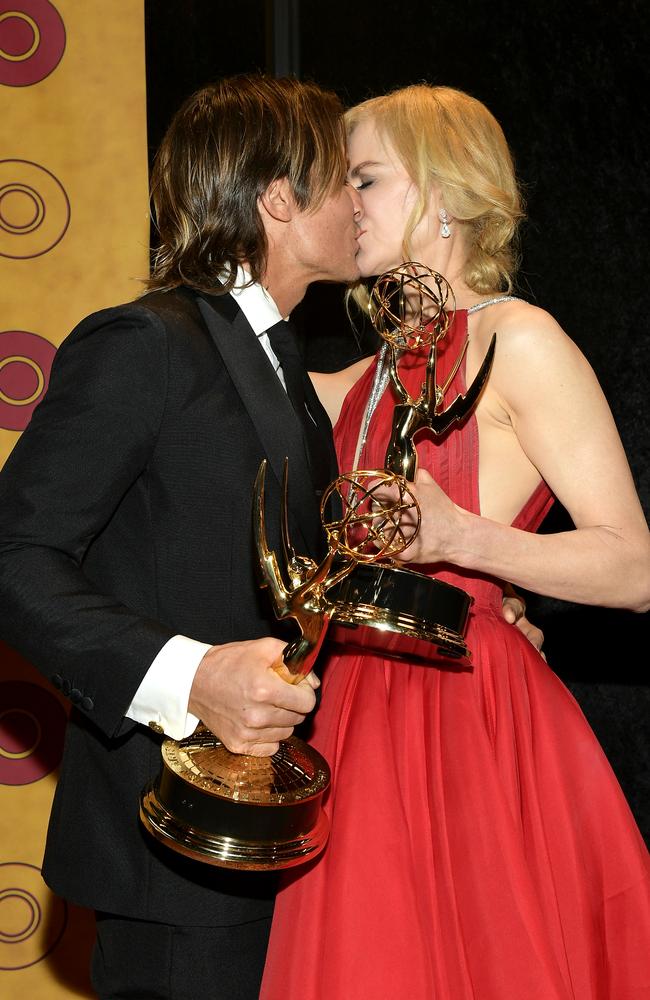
[
  {"x": 32, "y": 41},
  {"x": 32, "y": 919},
  {"x": 25, "y": 364},
  {"x": 32, "y": 727}
]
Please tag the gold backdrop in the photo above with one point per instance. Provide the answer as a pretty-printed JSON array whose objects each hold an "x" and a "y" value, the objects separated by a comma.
[{"x": 74, "y": 229}]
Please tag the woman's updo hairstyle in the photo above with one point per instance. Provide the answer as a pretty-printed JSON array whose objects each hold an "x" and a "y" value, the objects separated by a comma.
[{"x": 446, "y": 138}]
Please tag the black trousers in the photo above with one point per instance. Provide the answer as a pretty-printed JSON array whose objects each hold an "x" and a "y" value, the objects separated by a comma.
[{"x": 139, "y": 960}]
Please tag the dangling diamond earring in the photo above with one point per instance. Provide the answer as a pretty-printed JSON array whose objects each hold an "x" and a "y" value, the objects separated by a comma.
[{"x": 445, "y": 231}]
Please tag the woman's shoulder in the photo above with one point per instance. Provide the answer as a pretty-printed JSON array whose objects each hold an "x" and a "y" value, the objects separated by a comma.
[
  {"x": 520, "y": 327},
  {"x": 534, "y": 357}
]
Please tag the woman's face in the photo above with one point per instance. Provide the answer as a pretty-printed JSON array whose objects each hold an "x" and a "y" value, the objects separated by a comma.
[{"x": 387, "y": 196}]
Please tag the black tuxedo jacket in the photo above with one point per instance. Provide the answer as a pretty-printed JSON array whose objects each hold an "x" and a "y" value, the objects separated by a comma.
[{"x": 125, "y": 518}]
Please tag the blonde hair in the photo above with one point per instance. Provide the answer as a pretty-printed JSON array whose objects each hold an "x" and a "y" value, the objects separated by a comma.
[{"x": 446, "y": 138}]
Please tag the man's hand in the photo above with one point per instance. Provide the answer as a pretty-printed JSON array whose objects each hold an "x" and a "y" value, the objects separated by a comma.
[
  {"x": 514, "y": 612},
  {"x": 241, "y": 699}
]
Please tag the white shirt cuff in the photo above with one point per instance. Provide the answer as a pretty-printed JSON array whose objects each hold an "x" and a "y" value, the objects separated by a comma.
[{"x": 161, "y": 700}]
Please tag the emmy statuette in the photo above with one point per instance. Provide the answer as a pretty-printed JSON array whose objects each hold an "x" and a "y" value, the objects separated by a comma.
[
  {"x": 394, "y": 610},
  {"x": 264, "y": 813}
]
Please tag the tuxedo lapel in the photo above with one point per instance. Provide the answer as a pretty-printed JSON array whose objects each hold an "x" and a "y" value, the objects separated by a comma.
[{"x": 266, "y": 402}]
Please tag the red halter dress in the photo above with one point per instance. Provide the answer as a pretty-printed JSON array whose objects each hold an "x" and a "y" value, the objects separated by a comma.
[{"x": 480, "y": 845}]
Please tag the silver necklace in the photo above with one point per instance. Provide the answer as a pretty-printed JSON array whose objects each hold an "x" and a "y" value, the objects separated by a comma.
[{"x": 493, "y": 302}]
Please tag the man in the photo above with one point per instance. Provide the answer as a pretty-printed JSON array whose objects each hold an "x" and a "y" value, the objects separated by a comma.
[{"x": 126, "y": 558}]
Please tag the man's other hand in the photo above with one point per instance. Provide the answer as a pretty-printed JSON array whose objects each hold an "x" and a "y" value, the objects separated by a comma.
[{"x": 514, "y": 612}]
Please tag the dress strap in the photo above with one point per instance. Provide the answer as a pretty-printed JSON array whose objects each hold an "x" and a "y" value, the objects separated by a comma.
[{"x": 493, "y": 302}]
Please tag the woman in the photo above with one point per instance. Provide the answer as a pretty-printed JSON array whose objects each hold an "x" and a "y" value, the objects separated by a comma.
[{"x": 480, "y": 845}]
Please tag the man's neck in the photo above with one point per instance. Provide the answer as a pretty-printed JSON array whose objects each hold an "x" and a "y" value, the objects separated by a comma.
[
  {"x": 285, "y": 299},
  {"x": 284, "y": 286}
]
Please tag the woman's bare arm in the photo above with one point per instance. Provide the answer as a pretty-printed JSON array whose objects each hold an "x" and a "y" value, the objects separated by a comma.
[
  {"x": 333, "y": 388},
  {"x": 565, "y": 428}
]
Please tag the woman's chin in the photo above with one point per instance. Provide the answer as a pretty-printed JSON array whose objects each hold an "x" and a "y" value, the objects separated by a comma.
[{"x": 373, "y": 268}]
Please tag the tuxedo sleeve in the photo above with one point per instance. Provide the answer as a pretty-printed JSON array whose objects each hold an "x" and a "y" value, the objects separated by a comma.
[{"x": 87, "y": 443}]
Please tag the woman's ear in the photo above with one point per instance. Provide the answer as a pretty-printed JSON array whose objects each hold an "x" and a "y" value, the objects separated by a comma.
[{"x": 278, "y": 200}]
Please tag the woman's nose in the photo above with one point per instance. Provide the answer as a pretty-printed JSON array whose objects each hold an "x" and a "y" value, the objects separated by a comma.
[{"x": 357, "y": 204}]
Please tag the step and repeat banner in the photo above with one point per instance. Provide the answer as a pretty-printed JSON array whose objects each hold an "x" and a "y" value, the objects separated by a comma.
[{"x": 74, "y": 231}]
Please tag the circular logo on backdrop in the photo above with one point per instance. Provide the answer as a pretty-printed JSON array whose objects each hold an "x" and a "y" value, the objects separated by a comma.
[
  {"x": 32, "y": 919},
  {"x": 34, "y": 209},
  {"x": 32, "y": 727},
  {"x": 25, "y": 364},
  {"x": 32, "y": 41}
]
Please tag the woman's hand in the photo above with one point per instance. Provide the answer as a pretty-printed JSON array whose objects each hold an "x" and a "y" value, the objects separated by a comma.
[{"x": 440, "y": 520}]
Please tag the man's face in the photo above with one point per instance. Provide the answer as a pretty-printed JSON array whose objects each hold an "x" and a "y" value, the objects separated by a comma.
[{"x": 324, "y": 241}]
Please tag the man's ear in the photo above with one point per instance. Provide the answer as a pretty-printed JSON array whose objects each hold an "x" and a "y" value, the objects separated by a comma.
[{"x": 278, "y": 200}]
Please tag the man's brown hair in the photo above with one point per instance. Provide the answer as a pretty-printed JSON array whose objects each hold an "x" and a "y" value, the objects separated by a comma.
[{"x": 224, "y": 147}]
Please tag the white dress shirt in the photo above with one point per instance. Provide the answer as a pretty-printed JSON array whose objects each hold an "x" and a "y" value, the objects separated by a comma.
[{"x": 161, "y": 700}]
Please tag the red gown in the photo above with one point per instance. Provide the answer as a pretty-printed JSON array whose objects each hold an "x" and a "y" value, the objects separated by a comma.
[{"x": 480, "y": 845}]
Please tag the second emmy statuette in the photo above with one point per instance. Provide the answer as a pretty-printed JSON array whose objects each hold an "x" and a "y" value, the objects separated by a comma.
[{"x": 391, "y": 609}]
